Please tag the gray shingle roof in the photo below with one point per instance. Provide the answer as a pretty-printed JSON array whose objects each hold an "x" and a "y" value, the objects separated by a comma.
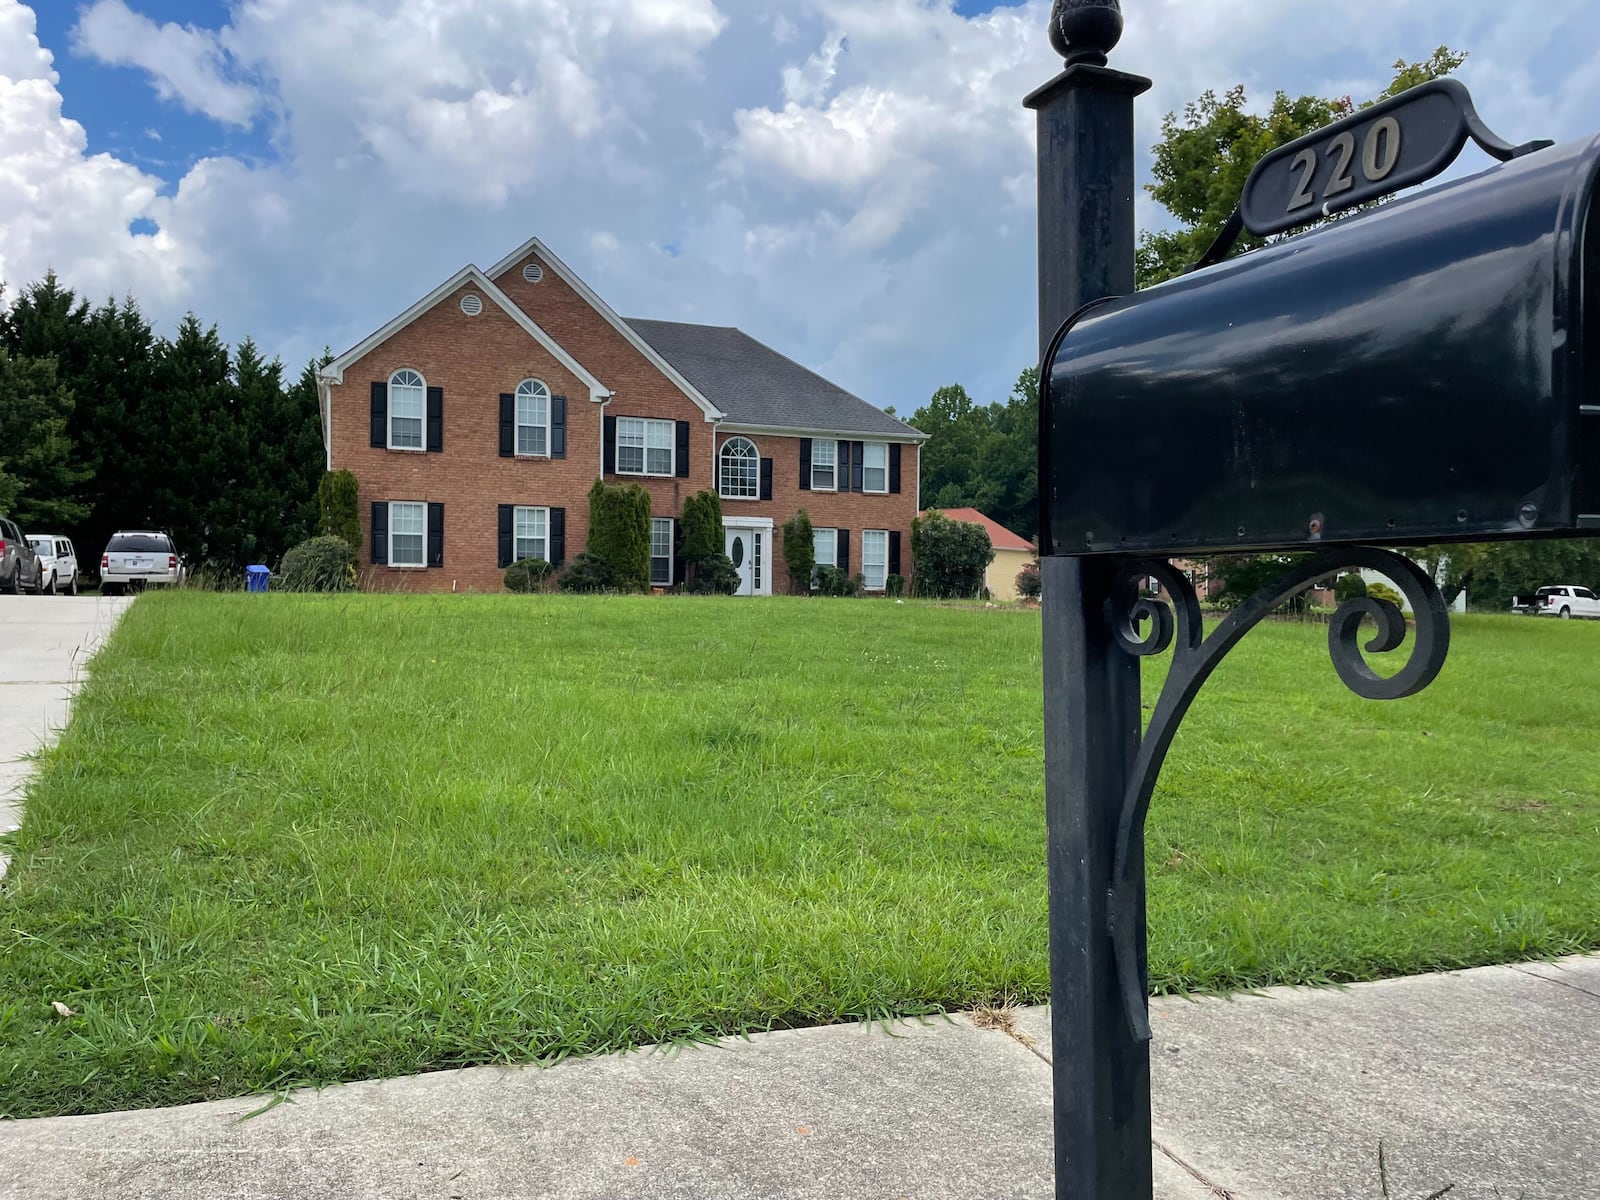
[{"x": 755, "y": 385}]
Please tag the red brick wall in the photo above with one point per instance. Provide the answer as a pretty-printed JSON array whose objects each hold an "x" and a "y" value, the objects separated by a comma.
[{"x": 475, "y": 359}]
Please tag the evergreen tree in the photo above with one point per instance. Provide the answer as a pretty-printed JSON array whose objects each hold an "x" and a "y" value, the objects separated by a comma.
[
  {"x": 40, "y": 477},
  {"x": 191, "y": 410}
]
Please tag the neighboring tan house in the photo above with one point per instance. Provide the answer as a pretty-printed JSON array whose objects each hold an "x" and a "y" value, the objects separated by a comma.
[
  {"x": 1011, "y": 553},
  {"x": 476, "y": 421}
]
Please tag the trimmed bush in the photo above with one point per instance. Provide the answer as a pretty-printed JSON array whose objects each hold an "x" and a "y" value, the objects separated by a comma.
[
  {"x": 1029, "y": 585},
  {"x": 339, "y": 512},
  {"x": 619, "y": 533},
  {"x": 702, "y": 527},
  {"x": 588, "y": 573},
  {"x": 1349, "y": 587},
  {"x": 833, "y": 581},
  {"x": 714, "y": 575},
  {"x": 799, "y": 552},
  {"x": 527, "y": 575},
  {"x": 950, "y": 556},
  {"x": 1382, "y": 591},
  {"x": 319, "y": 564}
]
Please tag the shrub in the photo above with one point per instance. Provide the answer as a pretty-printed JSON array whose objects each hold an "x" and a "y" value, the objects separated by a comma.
[
  {"x": 799, "y": 552},
  {"x": 950, "y": 556},
  {"x": 834, "y": 581},
  {"x": 619, "y": 533},
  {"x": 895, "y": 585},
  {"x": 1382, "y": 591},
  {"x": 1029, "y": 585},
  {"x": 319, "y": 564},
  {"x": 702, "y": 527},
  {"x": 340, "y": 515},
  {"x": 1349, "y": 587},
  {"x": 527, "y": 575},
  {"x": 714, "y": 575},
  {"x": 588, "y": 573}
]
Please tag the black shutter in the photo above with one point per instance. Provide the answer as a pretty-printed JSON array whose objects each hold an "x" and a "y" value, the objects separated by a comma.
[
  {"x": 677, "y": 551},
  {"x": 557, "y": 545},
  {"x": 858, "y": 466},
  {"x": 380, "y": 534},
  {"x": 609, "y": 459},
  {"x": 508, "y": 424},
  {"x": 505, "y": 535},
  {"x": 436, "y": 419},
  {"x": 805, "y": 464},
  {"x": 894, "y": 469},
  {"x": 766, "y": 479},
  {"x": 894, "y": 552},
  {"x": 683, "y": 450},
  {"x": 844, "y": 550},
  {"x": 436, "y": 535},
  {"x": 841, "y": 467},
  {"x": 558, "y": 427},
  {"x": 380, "y": 414}
]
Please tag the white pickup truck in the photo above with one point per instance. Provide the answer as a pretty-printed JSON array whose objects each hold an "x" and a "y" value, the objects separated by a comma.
[{"x": 1563, "y": 600}]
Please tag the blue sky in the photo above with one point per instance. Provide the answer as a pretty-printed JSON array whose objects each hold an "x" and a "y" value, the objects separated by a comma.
[{"x": 849, "y": 180}]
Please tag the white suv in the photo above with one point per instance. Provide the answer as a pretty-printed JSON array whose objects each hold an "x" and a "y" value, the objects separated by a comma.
[
  {"x": 1567, "y": 600},
  {"x": 58, "y": 562},
  {"x": 138, "y": 558}
]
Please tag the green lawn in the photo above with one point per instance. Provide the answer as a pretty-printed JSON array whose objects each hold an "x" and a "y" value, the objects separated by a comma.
[{"x": 291, "y": 839}]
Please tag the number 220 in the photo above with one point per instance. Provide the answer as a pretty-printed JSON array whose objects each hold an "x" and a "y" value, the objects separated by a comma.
[{"x": 1380, "y": 151}]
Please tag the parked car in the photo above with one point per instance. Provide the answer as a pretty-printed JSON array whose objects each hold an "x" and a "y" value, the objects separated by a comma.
[
  {"x": 1562, "y": 600},
  {"x": 19, "y": 565},
  {"x": 138, "y": 558},
  {"x": 58, "y": 562}
]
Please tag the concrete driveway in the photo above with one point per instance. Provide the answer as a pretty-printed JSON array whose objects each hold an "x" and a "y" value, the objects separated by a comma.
[{"x": 45, "y": 644}]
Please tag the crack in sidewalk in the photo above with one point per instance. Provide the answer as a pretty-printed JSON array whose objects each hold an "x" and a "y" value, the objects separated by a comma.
[{"x": 1521, "y": 969}]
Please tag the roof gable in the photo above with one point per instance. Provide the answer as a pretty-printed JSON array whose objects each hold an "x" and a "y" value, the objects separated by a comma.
[
  {"x": 1000, "y": 537},
  {"x": 537, "y": 249},
  {"x": 756, "y": 386}
]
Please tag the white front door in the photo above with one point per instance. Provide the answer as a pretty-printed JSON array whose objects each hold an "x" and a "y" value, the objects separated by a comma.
[{"x": 743, "y": 546}]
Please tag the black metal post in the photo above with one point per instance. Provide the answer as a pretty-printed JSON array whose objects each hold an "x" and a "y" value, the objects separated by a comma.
[{"x": 1091, "y": 688}]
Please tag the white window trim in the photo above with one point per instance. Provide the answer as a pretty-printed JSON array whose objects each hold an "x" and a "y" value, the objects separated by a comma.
[
  {"x": 672, "y": 537},
  {"x": 885, "y": 584},
  {"x": 409, "y": 565},
  {"x": 672, "y": 448},
  {"x": 834, "y": 467},
  {"x": 388, "y": 413},
  {"x": 751, "y": 442},
  {"x": 884, "y": 490},
  {"x": 517, "y": 426},
  {"x": 522, "y": 508}
]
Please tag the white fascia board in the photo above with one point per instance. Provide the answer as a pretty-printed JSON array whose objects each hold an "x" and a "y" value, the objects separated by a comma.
[
  {"x": 334, "y": 371},
  {"x": 911, "y": 437},
  {"x": 538, "y": 249}
]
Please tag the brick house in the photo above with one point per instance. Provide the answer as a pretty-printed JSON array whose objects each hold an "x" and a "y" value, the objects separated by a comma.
[{"x": 476, "y": 421}]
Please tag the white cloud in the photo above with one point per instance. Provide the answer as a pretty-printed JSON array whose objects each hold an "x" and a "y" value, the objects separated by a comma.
[
  {"x": 849, "y": 179},
  {"x": 186, "y": 64}
]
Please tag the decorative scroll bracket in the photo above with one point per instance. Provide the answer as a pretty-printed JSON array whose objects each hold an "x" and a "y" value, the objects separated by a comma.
[{"x": 1196, "y": 656}]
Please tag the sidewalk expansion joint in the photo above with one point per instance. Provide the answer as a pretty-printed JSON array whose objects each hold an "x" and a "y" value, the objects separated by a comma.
[
  {"x": 1521, "y": 970},
  {"x": 1216, "y": 1190}
]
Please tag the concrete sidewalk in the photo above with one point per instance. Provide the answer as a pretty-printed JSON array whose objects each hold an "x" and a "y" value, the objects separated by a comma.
[
  {"x": 1487, "y": 1079},
  {"x": 45, "y": 643}
]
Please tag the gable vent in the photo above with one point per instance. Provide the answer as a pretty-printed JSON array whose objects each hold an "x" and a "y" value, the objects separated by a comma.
[
  {"x": 533, "y": 272},
  {"x": 471, "y": 305}
]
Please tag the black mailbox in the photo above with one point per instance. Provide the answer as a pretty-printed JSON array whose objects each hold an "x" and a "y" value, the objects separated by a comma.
[{"x": 1426, "y": 371}]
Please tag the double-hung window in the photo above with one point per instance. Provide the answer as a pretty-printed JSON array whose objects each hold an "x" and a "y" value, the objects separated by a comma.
[
  {"x": 533, "y": 417},
  {"x": 875, "y": 558},
  {"x": 644, "y": 447},
  {"x": 739, "y": 466},
  {"x": 408, "y": 534},
  {"x": 824, "y": 455},
  {"x": 661, "y": 551},
  {"x": 825, "y": 544},
  {"x": 407, "y": 404},
  {"x": 530, "y": 529},
  {"x": 875, "y": 476}
]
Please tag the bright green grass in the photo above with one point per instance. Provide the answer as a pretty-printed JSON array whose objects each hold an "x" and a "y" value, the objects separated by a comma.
[{"x": 294, "y": 839}]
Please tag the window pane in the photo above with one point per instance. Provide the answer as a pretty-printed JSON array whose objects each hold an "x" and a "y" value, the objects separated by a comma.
[
  {"x": 659, "y": 462},
  {"x": 661, "y": 551},
  {"x": 660, "y": 434},
  {"x": 528, "y": 533},
  {"x": 875, "y": 477},
  {"x": 874, "y": 557},
  {"x": 822, "y": 460},
  {"x": 533, "y": 413},
  {"x": 406, "y": 407},
  {"x": 824, "y": 544},
  {"x": 407, "y": 534},
  {"x": 630, "y": 445},
  {"x": 741, "y": 468}
]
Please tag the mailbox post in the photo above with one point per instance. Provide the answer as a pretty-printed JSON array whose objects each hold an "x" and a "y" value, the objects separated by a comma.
[{"x": 1425, "y": 372}]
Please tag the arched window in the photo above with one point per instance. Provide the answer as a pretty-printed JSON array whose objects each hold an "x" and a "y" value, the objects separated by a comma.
[
  {"x": 533, "y": 417},
  {"x": 407, "y": 403},
  {"x": 739, "y": 469}
]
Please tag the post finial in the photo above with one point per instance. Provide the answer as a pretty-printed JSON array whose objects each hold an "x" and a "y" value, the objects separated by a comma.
[{"x": 1084, "y": 31}]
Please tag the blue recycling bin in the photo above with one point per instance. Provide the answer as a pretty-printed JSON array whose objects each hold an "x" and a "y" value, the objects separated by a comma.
[{"x": 255, "y": 578}]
